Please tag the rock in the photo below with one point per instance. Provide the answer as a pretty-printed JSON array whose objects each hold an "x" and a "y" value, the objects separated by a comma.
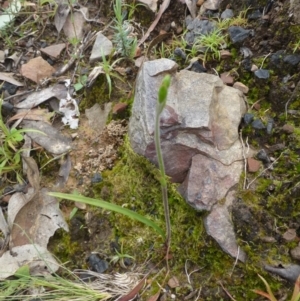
[
  {"x": 292, "y": 59},
  {"x": 238, "y": 34},
  {"x": 295, "y": 253},
  {"x": 227, "y": 14},
  {"x": 263, "y": 156},
  {"x": 198, "y": 27},
  {"x": 212, "y": 4},
  {"x": 276, "y": 58},
  {"x": 262, "y": 73},
  {"x": 253, "y": 165},
  {"x": 98, "y": 115},
  {"x": 247, "y": 64},
  {"x": 199, "y": 136},
  {"x": 270, "y": 125},
  {"x": 54, "y": 50},
  {"x": 218, "y": 225},
  {"x": 256, "y": 14},
  {"x": 227, "y": 79},
  {"x": 200, "y": 2},
  {"x": 97, "y": 264},
  {"x": 248, "y": 118},
  {"x": 288, "y": 128},
  {"x": 179, "y": 52},
  {"x": 225, "y": 54},
  {"x": 246, "y": 52},
  {"x": 295, "y": 10},
  {"x": 240, "y": 86},
  {"x": 197, "y": 67},
  {"x": 102, "y": 46},
  {"x": 289, "y": 235},
  {"x": 97, "y": 178},
  {"x": 258, "y": 125},
  {"x": 290, "y": 273}
]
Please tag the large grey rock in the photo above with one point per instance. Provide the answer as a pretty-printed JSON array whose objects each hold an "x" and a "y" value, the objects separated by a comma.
[{"x": 199, "y": 135}]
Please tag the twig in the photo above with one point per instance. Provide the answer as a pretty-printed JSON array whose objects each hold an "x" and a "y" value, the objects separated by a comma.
[
  {"x": 264, "y": 171},
  {"x": 244, "y": 157},
  {"x": 227, "y": 293},
  {"x": 188, "y": 275},
  {"x": 265, "y": 59},
  {"x": 16, "y": 95},
  {"x": 236, "y": 261}
]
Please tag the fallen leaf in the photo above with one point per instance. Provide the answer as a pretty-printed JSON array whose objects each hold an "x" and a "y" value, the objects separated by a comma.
[
  {"x": 35, "y": 114},
  {"x": 7, "y": 77},
  {"x": 131, "y": 295},
  {"x": 64, "y": 171},
  {"x": 93, "y": 75},
  {"x": 192, "y": 7},
  {"x": 162, "y": 9},
  {"x": 54, "y": 50},
  {"x": 37, "y": 69},
  {"x": 38, "y": 258},
  {"x": 36, "y": 98},
  {"x": 52, "y": 140},
  {"x": 61, "y": 15},
  {"x": 74, "y": 25}
]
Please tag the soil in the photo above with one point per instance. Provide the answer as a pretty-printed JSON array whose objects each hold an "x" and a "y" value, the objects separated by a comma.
[{"x": 262, "y": 212}]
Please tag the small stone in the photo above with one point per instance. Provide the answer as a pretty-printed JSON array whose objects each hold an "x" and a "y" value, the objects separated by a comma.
[
  {"x": 173, "y": 282},
  {"x": 295, "y": 253},
  {"x": 256, "y": 106},
  {"x": 227, "y": 14},
  {"x": 225, "y": 54},
  {"x": 270, "y": 125},
  {"x": 227, "y": 78},
  {"x": 292, "y": 59},
  {"x": 54, "y": 50},
  {"x": 97, "y": 178},
  {"x": 258, "y": 125},
  {"x": 240, "y": 86},
  {"x": 263, "y": 156},
  {"x": 253, "y": 165},
  {"x": 289, "y": 235},
  {"x": 119, "y": 108},
  {"x": 96, "y": 264},
  {"x": 179, "y": 30},
  {"x": 179, "y": 52},
  {"x": 253, "y": 68},
  {"x": 10, "y": 88},
  {"x": 248, "y": 118},
  {"x": 102, "y": 46},
  {"x": 238, "y": 34},
  {"x": 255, "y": 15},
  {"x": 262, "y": 73},
  {"x": 197, "y": 67},
  {"x": 268, "y": 239},
  {"x": 246, "y": 52},
  {"x": 288, "y": 128}
]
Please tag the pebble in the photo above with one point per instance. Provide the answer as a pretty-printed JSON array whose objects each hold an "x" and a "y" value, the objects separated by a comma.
[
  {"x": 238, "y": 34},
  {"x": 246, "y": 52},
  {"x": 10, "y": 88},
  {"x": 262, "y": 73},
  {"x": 276, "y": 58},
  {"x": 97, "y": 178},
  {"x": 268, "y": 239},
  {"x": 200, "y": 2},
  {"x": 248, "y": 118},
  {"x": 240, "y": 86},
  {"x": 227, "y": 78},
  {"x": 263, "y": 156},
  {"x": 288, "y": 128},
  {"x": 96, "y": 264},
  {"x": 292, "y": 59},
  {"x": 6, "y": 108},
  {"x": 255, "y": 15},
  {"x": 197, "y": 67},
  {"x": 295, "y": 253},
  {"x": 227, "y": 14},
  {"x": 289, "y": 235},
  {"x": 247, "y": 64},
  {"x": 270, "y": 125},
  {"x": 179, "y": 52},
  {"x": 254, "y": 68},
  {"x": 258, "y": 125},
  {"x": 253, "y": 165},
  {"x": 225, "y": 54}
]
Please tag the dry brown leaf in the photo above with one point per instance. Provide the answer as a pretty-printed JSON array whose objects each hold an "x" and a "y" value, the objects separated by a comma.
[
  {"x": 54, "y": 50},
  {"x": 35, "y": 114},
  {"x": 162, "y": 9},
  {"x": 61, "y": 16},
  {"x": 39, "y": 260},
  {"x": 37, "y": 69},
  {"x": 7, "y": 77},
  {"x": 74, "y": 25}
]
